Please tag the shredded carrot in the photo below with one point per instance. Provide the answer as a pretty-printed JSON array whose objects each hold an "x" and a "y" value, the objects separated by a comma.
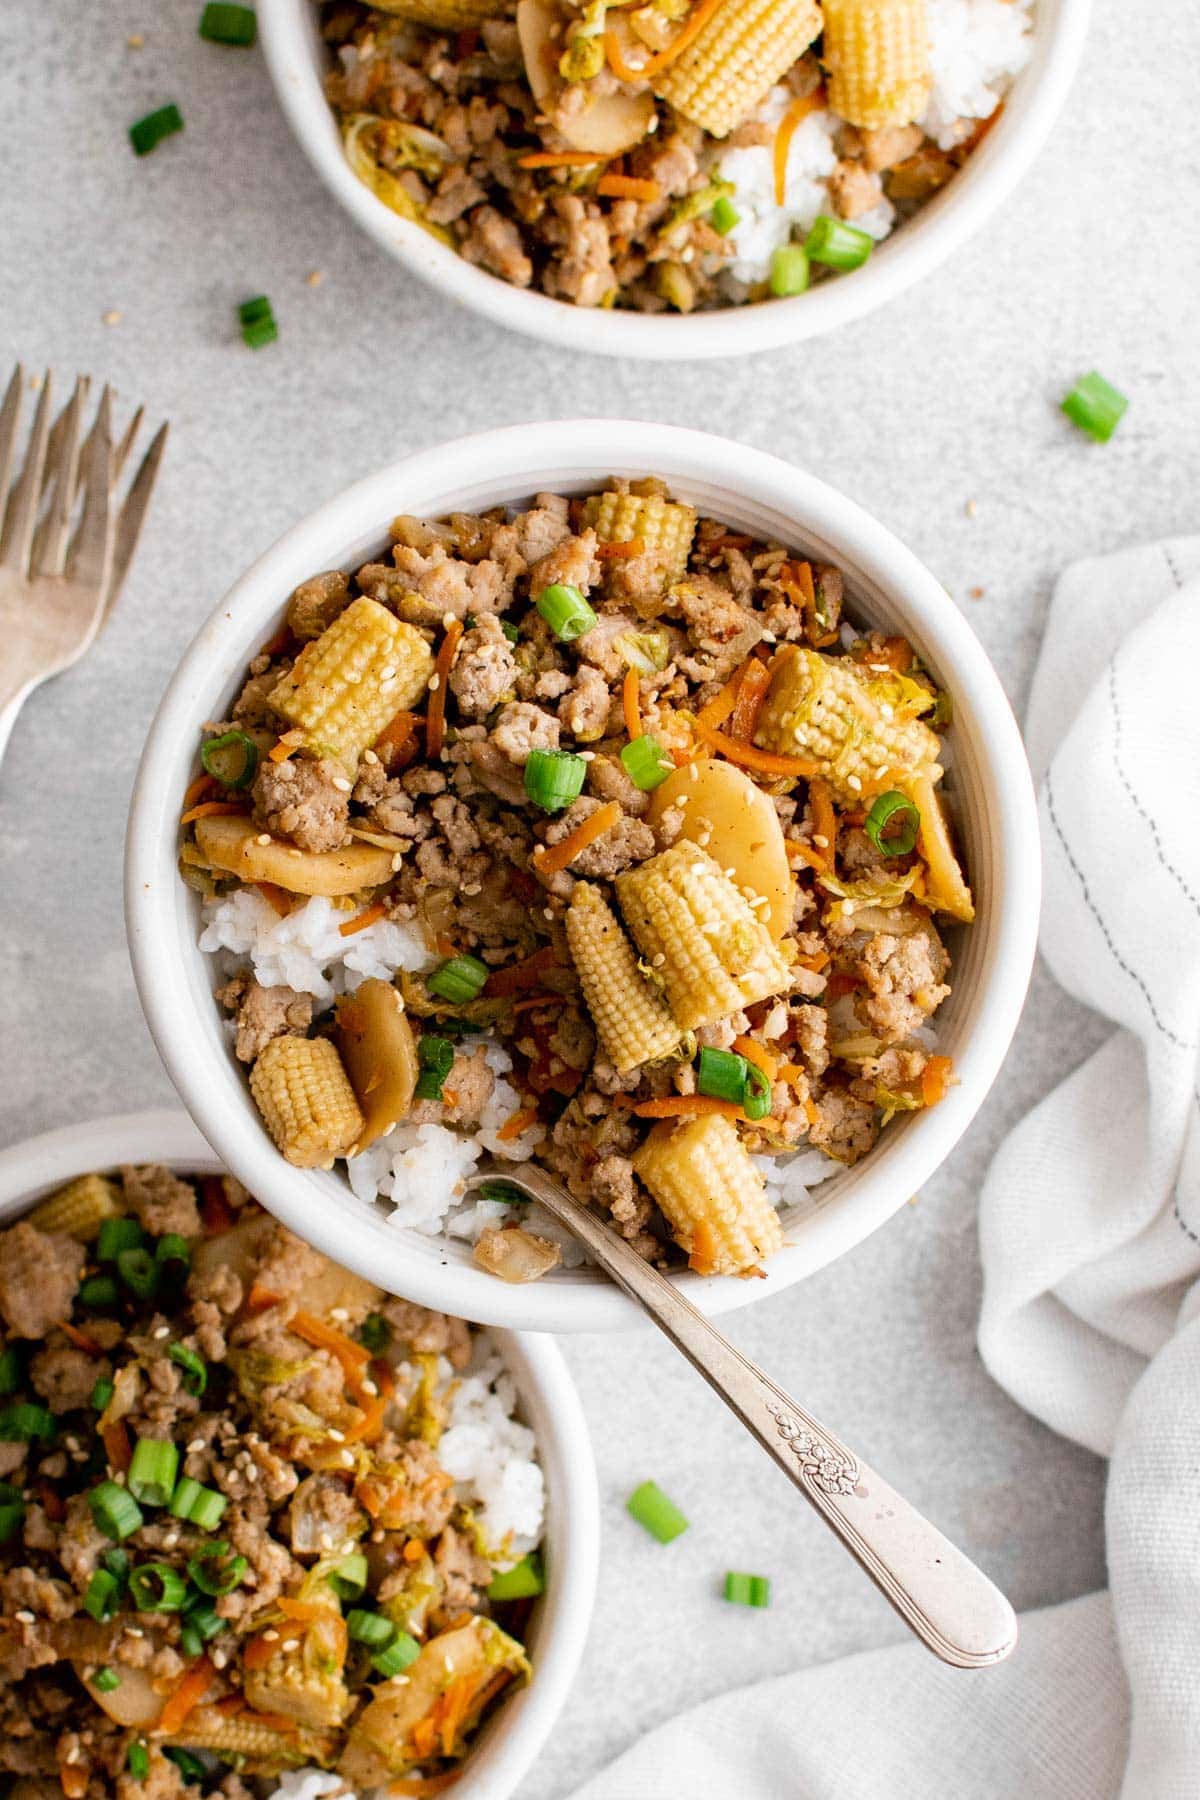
[
  {"x": 449, "y": 1096},
  {"x": 514, "y": 977},
  {"x": 790, "y": 123},
  {"x": 216, "y": 1214},
  {"x": 321, "y": 1336},
  {"x": 894, "y": 653},
  {"x": 517, "y": 1122},
  {"x": 806, "y": 852},
  {"x": 435, "y": 724},
  {"x": 757, "y": 1054},
  {"x": 704, "y": 1248},
  {"x": 262, "y": 1650},
  {"x": 211, "y": 809},
  {"x": 454, "y": 1705},
  {"x": 559, "y": 159},
  {"x": 413, "y": 1551},
  {"x": 820, "y": 801},
  {"x": 752, "y": 691},
  {"x": 560, "y": 854},
  {"x": 397, "y": 736},
  {"x": 74, "y": 1778},
  {"x": 373, "y": 1406},
  {"x": 816, "y": 962},
  {"x": 424, "y": 1736},
  {"x": 273, "y": 1721},
  {"x": 533, "y": 1000},
  {"x": 679, "y": 1106},
  {"x": 628, "y": 72},
  {"x": 259, "y": 1298},
  {"x": 630, "y": 695},
  {"x": 200, "y": 789},
  {"x": 80, "y": 1339},
  {"x": 368, "y": 916},
  {"x": 721, "y": 705},
  {"x": 792, "y": 1073},
  {"x": 187, "y": 1695},
  {"x": 420, "y": 1785},
  {"x": 627, "y": 187},
  {"x": 727, "y": 540},
  {"x": 277, "y": 897},
  {"x": 935, "y": 1079},
  {"x": 767, "y": 762},
  {"x": 306, "y": 1612},
  {"x": 116, "y": 1445},
  {"x": 812, "y": 1111},
  {"x": 634, "y": 546},
  {"x": 285, "y": 746}
]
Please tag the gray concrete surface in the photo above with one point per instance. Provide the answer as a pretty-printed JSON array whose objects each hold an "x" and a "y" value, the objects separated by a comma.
[{"x": 946, "y": 398}]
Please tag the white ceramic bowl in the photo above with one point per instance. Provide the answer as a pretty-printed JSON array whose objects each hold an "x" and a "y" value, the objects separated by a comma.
[
  {"x": 297, "y": 60},
  {"x": 753, "y": 492},
  {"x": 513, "y": 1738}
]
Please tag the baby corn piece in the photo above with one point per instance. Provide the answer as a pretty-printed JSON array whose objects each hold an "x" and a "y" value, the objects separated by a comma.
[
  {"x": 822, "y": 708},
  {"x": 711, "y": 1194},
  {"x": 288, "y": 1686},
  {"x": 700, "y": 934},
  {"x": 632, "y": 1020},
  {"x": 443, "y": 15},
  {"x": 877, "y": 55},
  {"x": 79, "y": 1209},
  {"x": 736, "y": 59},
  {"x": 664, "y": 526},
  {"x": 305, "y": 1098},
  {"x": 240, "y": 1735},
  {"x": 347, "y": 684}
]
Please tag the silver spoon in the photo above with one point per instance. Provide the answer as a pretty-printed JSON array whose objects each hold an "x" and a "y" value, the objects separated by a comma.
[{"x": 939, "y": 1593}]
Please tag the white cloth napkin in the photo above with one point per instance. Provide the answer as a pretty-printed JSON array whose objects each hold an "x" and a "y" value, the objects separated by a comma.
[{"x": 1090, "y": 1236}]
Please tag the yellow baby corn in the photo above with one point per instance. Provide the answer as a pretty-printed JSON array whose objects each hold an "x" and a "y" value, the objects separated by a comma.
[
  {"x": 443, "y": 15},
  {"x": 305, "y": 1098},
  {"x": 852, "y": 725},
  {"x": 345, "y": 686},
  {"x": 664, "y": 526},
  {"x": 312, "y": 1696},
  {"x": 877, "y": 56},
  {"x": 80, "y": 1208},
  {"x": 239, "y": 1735},
  {"x": 632, "y": 1020},
  {"x": 700, "y": 936},
  {"x": 735, "y": 60},
  {"x": 711, "y": 1194}
]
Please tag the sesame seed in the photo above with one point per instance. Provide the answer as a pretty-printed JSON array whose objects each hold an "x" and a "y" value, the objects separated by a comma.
[
  {"x": 270, "y": 1635},
  {"x": 448, "y": 620},
  {"x": 693, "y": 772},
  {"x": 822, "y": 843},
  {"x": 656, "y": 962},
  {"x": 347, "y": 1459},
  {"x": 251, "y": 1472},
  {"x": 195, "y": 1445},
  {"x": 389, "y": 682},
  {"x": 369, "y": 756},
  {"x": 368, "y": 1387},
  {"x": 548, "y": 913},
  {"x": 855, "y": 783},
  {"x": 340, "y": 1314},
  {"x": 136, "y": 42},
  {"x": 161, "y": 1331},
  {"x": 971, "y": 508},
  {"x": 888, "y": 712},
  {"x": 435, "y": 682},
  {"x": 377, "y": 1537},
  {"x": 111, "y": 317},
  {"x": 72, "y": 1755},
  {"x": 339, "y": 1437},
  {"x": 730, "y": 873},
  {"x": 296, "y": 853},
  {"x": 134, "y": 1631},
  {"x": 341, "y": 784},
  {"x": 354, "y": 676},
  {"x": 26, "y": 1618},
  {"x": 539, "y": 849},
  {"x": 264, "y": 837},
  {"x": 72, "y": 1444},
  {"x": 704, "y": 839},
  {"x": 587, "y": 756},
  {"x": 769, "y": 637},
  {"x": 388, "y": 674},
  {"x": 397, "y": 863},
  {"x": 170, "y": 1541},
  {"x": 327, "y": 1540},
  {"x": 315, "y": 277},
  {"x": 220, "y": 1658},
  {"x": 472, "y": 888}
]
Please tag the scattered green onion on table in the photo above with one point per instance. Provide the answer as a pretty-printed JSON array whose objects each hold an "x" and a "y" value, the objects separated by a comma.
[{"x": 1095, "y": 406}]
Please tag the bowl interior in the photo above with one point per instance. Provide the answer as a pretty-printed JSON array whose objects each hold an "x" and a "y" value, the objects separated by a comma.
[
  {"x": 549, "y": 1405},
  {"x": 297, "y": 59},
  {"x": 987, "y": 782}
]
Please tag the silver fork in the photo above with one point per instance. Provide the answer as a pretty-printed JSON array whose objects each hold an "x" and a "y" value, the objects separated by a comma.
[{"x": 65, "y": 543}]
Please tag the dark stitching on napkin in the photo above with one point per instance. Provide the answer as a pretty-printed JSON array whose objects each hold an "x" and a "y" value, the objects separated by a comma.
[
  {"x": 1181, "y": 1043},
  {"x": 1176, "y": 577},
  {"x": 1134, "y": 801},
  {"x": 1179, "y": 1219}
]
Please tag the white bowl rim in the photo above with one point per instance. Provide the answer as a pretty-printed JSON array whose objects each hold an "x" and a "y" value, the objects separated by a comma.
[
  {"x": 518, "y": 460},
  {"x": 921, "y": 246},
  {"x": 514, "y": 1739}
]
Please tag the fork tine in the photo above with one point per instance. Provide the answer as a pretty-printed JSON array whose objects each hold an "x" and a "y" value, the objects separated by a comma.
[
  {"x": 133, "y": 514},
  {"x": 21, "y": 516},
  {"x": 62, "y": 463},
  {"x": 121, "y": 453},
  {"x": 88, "y": 560},
  {"x": 10, "y": 419}
]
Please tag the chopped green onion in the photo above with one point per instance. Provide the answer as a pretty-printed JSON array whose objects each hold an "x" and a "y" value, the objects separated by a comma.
[
  {"x": 201, "y": 1616},
  {"x": 721, "y": 1074},
  {"x": 369, "y": 1628},
  {"x": 660, "y": 1516},
  {"x": 221, "y": 24},
  {"x": 458, "y": 979},
  {"x": 889, "y": 806},
  {"x": 510, "y": 631},
  {"x": 117, "y": 1235},
  {"x": 789, "y": 270},
  {"x": 232, "y": 771},
  {"x": 12, "y": 1517},
  {"x": 645, "y": 762},
  {"x": 115, "y": 1511},
  {"x": 553, "y": 778},
  {"x": 1095, "y": 406},
  {"x": 224, "y": 1575},
  {"x": 747, "y": 1590},
  {"x": 565, "y": 611},
  {"x": 436, "y": 1057},
  {"x": 375, "y": 1332},
  {"x": 156, "y": 1587},
  {"x": 138, "y": 1761},
  {"x": 23, "y": 1422},
  {"x": 195, "y": 1369},
  {"x": 146, "y": 134},
  {"x": 502, "y": 1190},
  {"x": 105, "y": 1680},
  {"x": 206, "y": 1510},
  {"x": 724, "y": 216},
  {"x": 152, "y": 1471},
  {"x": 101, "y": 1394},
  {"x": 402, "y": 1651},
  {"x": 99, "y": 1290},
  {"x": 253, "y": 312},
  {"x": 12, "y": 1370},
  {"x": 756, "y": 1097},
  {"x": 116, "y": 1562},
  {"x": 943, "y": 710},
  {"x": 187, "y": 1492},
  {"x": 838, "y": 245},
  {"x": 349, "y": 1579},
  {"x": 139, "y": 1271},
  {"x": 103, "y": 1596},
  {"x": 520, "y": 1582},
  {"x": 258, "y": 322},
  {"x": 189, "y": 1766},
  {"x": 172, "y": 1249}
]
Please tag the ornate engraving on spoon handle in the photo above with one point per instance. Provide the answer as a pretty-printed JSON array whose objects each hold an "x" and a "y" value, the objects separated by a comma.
[{"x": 950, "y": 1604}]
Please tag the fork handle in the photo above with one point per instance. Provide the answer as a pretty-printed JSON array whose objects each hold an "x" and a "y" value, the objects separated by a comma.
[
  {"x": 939, "y": 1593},
  {"x": 13, "y": 695}
]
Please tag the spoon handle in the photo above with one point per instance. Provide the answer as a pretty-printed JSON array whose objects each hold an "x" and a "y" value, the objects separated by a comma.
[{"x": 939, "y": 1593}]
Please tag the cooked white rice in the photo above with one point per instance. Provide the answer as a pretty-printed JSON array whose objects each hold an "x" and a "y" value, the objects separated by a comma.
[
  {"x": 305, "y": 950},
  {"x": 976, "y": 48}
]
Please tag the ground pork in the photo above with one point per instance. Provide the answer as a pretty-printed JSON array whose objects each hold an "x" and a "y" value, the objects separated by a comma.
[
  {"x": 323, "y": 1515},
  {"x": 599, "y": 646},
  {"x": 613, "y": 1185},
  {"x": 39, "y": 1273},
  {"x": 722, "y": 631},
  {"x": 845, "y": 1127},
  {"x": 304, "y": 799},
  {"x": 812, "y": 1038},
  {"x": 854, "y": 189},
  {"x": 485, "y": 670},
  {"x": 65, "y": 1376},
  {"x": 494, "y": 243},
  {"x": 521, "y": 728},
  {"x": 428, "y": 1333},
  {"x": 316, "y": 603},
  {"x": 543, "y": 527},
  {"x": 627, "y": 842},
  {"x": 606, "y": 778},
  {"x": 263, "y": 1014},
  {"x": 465, "y": 1093},
  {"x": 639, "y": 582},
  {"x": 889, "y": 145},
  {"x": 580, "y": 266},
  {"x": 454, "y": 195},
  {"x": 23, "y": 1590},
  {"x": 463, "y": 1571},
  {"x": 584, "y": 709},
  {"x": 427, "y": 585},
  {"x": 163, "y": 1203},
  {"x": 573, "y": 563},
  {"x": 903, "y": 977}
]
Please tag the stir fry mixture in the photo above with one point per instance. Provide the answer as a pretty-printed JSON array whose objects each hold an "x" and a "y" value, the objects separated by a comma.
[
  {"x": 610, "y": 818},
  {"x": 675, "y": 154},
  {"x": 232, "y": 1545}
]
